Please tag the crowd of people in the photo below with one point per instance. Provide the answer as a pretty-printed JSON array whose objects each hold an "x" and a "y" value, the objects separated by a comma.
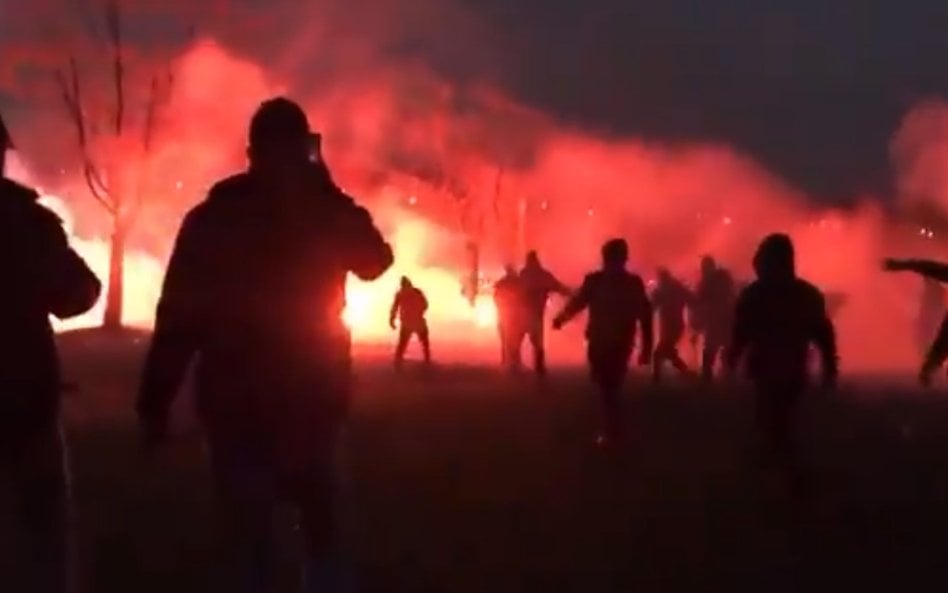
[{"x": 272, "y": 245}]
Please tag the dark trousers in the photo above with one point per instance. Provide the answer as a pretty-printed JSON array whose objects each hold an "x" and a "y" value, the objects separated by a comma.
[
  {"x": 509, "y": 332},
  {"x": 251, "y": 481},
  {"x": 667, "y": 350},
  {"x": 608, "y": 367},
  {"x": 405, "y": 334},
  {"x": 715, "y": 342},
  {"x": 776, "y": 402},
  {"x": 36, "y": 552},
  {"x": 533, "y": 330}
]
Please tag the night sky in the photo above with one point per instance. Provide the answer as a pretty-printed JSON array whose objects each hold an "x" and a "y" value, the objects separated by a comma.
[{"x": 813, "y": 89}]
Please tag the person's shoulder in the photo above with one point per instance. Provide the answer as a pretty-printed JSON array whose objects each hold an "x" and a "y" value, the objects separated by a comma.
[
  {"x": 232, "y": 187},
  {"x": 810, "y": 292},
  {"x": 22, "y": 204}
]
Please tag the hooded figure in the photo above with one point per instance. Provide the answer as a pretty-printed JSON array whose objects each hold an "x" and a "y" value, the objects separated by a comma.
[
  {"x": 254, "y": 295},
  {"x": 536, "y": 284},
  {"x": 508, "y": 299},
  {"x": 618, "y": 305},
  {"x": 42, "y": 276},
  {"x": 409, "y": 308},
  {"x": 778, "y": 318}
]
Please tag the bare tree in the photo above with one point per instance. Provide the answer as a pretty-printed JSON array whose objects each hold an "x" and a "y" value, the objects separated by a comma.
[{"x": 115, "y": 154}]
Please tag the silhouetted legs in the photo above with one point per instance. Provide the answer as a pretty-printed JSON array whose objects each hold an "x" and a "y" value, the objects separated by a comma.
[
  {"x": 405, "y": 334},
  {"x": 535, "y": 334},
  {"x": 775, "y": 411},
  {"x": 608, "y": 365},
  {"x": 250, "y": 483},
  {"x": 714, "y": 345},
  {"x": 35, "y": 475},
  {"x": 667, "y": 351}
]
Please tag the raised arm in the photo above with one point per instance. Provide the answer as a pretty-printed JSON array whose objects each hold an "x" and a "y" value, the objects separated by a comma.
[
  {"x": 927, "y": 268},
  {"x": 177, "y": 325}
]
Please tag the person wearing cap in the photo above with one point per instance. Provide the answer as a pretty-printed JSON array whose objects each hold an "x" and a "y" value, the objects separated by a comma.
[
  {"x": 42, "y": 276},
  {"x": 536, "y": 284},
  {"x": 253, "y": 295},
  {"x": 618, "y": 306},
  {"x": 778, "y": 318}
]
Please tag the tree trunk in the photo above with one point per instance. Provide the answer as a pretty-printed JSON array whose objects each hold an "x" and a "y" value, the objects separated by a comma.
[{"x": 114, "y": 297}]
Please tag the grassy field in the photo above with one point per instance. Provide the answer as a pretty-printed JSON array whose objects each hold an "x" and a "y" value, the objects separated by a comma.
[{"x": 466, "y": 481}]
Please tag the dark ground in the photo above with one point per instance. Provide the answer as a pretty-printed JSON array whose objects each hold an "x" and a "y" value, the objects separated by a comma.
[{"x": 465, "y": 481}]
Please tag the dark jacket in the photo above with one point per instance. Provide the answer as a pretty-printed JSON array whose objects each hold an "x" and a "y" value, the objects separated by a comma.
[
  {"x": 409, "y": 306},
  {"x": 617, "y": 302},
  {"x": 670, "y": 299},
  {"x": 256, "y": 299},
  {"x": 42, "y": 277},
  {"x": 536, "y": 284},
  {"x": 777, "y": 319},
  {"x": 714, "y": 303}
]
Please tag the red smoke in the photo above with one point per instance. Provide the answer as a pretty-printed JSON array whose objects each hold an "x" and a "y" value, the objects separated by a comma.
[{"x": 442, "y": 164}]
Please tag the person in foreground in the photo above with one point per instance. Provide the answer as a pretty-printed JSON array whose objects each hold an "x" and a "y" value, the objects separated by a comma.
[
  {"x": 254, "y": 294},
  {"x": 43, "y": 277},
  {"x": 777, "y": 319},
  {"x": 617, "y": 304}
]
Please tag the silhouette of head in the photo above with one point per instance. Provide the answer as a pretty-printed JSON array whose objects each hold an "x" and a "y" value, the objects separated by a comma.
[
  {"x": 279, "y": 135},
  {"x": 615, "y": 253},
  {"x": 533, "y": 260},
  {"x": 708, "y": 265},
  {"x": 406, "y": 283},
  {"x": 6, "y": 143},
  {"x": 664, "y": 276},
  {"x": 775, "y": 258},
  {"x": 510, "y": 270}
]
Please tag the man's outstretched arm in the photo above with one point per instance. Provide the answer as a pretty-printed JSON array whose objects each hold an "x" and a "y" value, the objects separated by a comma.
[
  {"x": 177, "y": 322},
  {"x": 576, "y": 304},
  {"x": 927, "y": 268}
]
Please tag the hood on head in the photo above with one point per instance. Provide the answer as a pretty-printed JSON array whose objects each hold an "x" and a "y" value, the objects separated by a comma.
[{"x": 775, "y": 258}]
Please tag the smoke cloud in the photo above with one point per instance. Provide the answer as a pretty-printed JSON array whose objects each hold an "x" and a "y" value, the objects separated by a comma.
[{"x": 444, "y": 160}]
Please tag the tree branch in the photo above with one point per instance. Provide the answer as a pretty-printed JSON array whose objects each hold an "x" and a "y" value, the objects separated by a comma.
[
  {"x": 97, "y": 189},
  {"x": 114, "y": 23}
]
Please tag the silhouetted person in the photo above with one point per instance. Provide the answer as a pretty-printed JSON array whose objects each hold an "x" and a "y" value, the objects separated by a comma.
[
  {"x": 670, "y": 299},
  {"x": 409, "y": 307},
  {"x": 536, "y": 284},
  {"x": 42, "y": 276},
  {"x": 254, "y": 295},
  {"x": 508, "y": 300},
  {"x": 778, "y": 318},
  {"x": 713, "y": 312},
  {"x": 937, "y": 272},
  {"x": 617, "y": 304}
]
